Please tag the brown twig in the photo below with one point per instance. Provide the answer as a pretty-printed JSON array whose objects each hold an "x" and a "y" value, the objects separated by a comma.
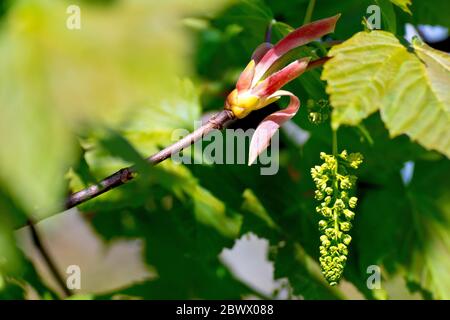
[
  {"x": 48, "y": 260},
  {"x": 126, "y": 174}
]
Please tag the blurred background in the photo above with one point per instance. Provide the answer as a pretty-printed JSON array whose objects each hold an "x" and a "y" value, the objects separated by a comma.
[{"x": 88, "y": 87}]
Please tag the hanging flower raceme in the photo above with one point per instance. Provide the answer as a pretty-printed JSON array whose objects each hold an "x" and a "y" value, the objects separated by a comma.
[{"x": 256, "y": 88}]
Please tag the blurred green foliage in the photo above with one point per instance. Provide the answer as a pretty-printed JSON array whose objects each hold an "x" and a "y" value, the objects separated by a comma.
[{"x": 82, "y": 104}]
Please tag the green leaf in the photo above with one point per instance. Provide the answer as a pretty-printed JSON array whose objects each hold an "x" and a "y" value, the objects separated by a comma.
[
  {"x": 252, "y": 15},
  {"x": 373, "y": 71},
  {"x": 285, "y": 217},
  {"x": 184, "y": 252},
  {"x": 134, "y": 62},
  {"x": 144, "y": 133},
  {"x": 293, "y": 12},
  {"x": 403, "y": 4},
  {"x": 405, "y": 230},
  {"x": 388, "y": 15},
  {"x": 36, "y": 147},
  {"x": 227, "y": 46},
  {"x": 303, "y": 273},
  {"x": 417, "y": 104},
  {"x": 358, "y": 72},
  {"x": 432, "y": 12},
  {"x": 10, "y": 290},
  {"x": 120, "y": 147},
  {"x": 54, "y": 78},
  {"x": 429, "y": 261},
  {"x": 16, "y": 271},
  {"x": 380, "y": 213},
  {"x": 253, "y": 205},
  {"x": 438, "y": 70},
  {"x": 213, "y": 212}
]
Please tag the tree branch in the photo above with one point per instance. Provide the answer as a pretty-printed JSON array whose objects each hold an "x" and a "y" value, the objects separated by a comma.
[
  {"x": 48, "y": 260},
  {"x": 126, "y": 174}
]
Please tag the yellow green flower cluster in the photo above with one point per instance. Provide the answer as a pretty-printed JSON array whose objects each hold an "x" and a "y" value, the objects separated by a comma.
[{"x": 334, "y": 185}]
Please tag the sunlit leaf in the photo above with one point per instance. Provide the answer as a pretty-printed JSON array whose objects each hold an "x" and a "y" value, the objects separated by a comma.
[
  {"x": 430, "y": 236},
  {"x": 403, "y": 4},
  {"x": 417, "y": 104},
  {"x": 358, "y": 72},
  {"x": 373, "y": 71}
]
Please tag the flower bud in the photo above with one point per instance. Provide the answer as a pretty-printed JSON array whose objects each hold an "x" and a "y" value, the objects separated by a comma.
[
  {"x": 343, "y": 251},
  {"x": 355, "y": 159},
  {"x": 318, "y": 195},
  {"x": 322, "y": 224},
  {"x": 352, "y": 202},
  {"x": 336, "y": 261},
  {"x": 347, "y": 239},
  {"x": 242, "y": 103},
  {"x": 349, "y": 214},
  {"x": 330, "y": 233},
  {"x": 339, "y": 204},
  {"x": 345, "y": 183},
  {"x": 327, "y": 212},
  {"x": 345, "y": 226}
]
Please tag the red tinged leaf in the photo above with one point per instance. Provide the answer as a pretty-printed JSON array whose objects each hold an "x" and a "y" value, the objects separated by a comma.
[
  {"x": 269, "y": 126},
  {"x": 296, "y": 38},
  {"x": 245, "y": 79},
  {"x": 280, "y": 78}
]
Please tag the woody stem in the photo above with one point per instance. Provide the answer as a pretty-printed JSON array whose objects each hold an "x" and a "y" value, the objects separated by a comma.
[{"x": 125, "y": 175}]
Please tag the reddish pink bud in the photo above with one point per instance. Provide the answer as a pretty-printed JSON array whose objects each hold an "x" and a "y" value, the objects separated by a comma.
[
  {"x": 282, "y": 77},
  {"x": 269, "y": 126},
  {"x": 296, "y": 38}
]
